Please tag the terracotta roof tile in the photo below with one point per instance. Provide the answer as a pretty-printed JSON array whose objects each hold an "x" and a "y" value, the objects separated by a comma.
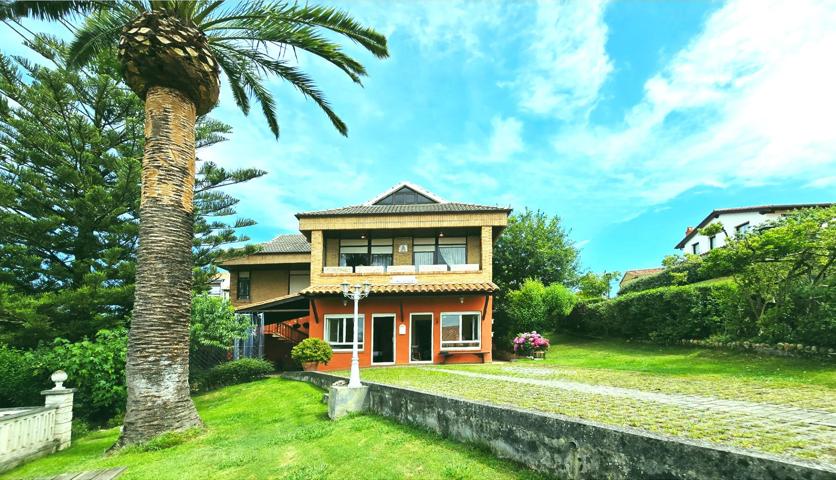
[{"x": 394, "y": 288}]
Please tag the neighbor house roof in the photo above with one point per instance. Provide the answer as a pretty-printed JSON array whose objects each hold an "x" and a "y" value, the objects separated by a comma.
[
  {"x": 291, "y": 243},
  {"x": 631, "y": 275},
  {"x": 395, "y": 288},
  {"x": 758, "y": 208},
  {"x": 430, "y": 203}
]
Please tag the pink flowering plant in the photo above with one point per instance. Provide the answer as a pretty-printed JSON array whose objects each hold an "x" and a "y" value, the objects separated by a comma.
[{"x": 525, "y": 344}]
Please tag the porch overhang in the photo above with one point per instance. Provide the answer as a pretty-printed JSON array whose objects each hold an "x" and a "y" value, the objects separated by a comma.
[{"x": 292, "y": 303}]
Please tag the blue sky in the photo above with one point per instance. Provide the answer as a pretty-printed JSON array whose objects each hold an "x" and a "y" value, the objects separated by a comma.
[{"x": 630, "y": 120}]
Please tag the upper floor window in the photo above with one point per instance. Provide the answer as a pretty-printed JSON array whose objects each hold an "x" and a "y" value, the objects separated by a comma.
[
  {"x": 381, "y": 250},
  {"x": 424, "y": 251},
  {"x": 440, "y": 251},
  {"x": 460, "y": 330},
  {"x": 741, "y": 229},
  {"x": 339, "y": 331},
  {"x": 452, "y": 250},
  {"x": 354, "y": 252},
  {"x": 695, "y": 248},
  {"x": 243, "y": 286},
  {"x": 364, "y": 251},
  {"x": 711, "y": 242}
]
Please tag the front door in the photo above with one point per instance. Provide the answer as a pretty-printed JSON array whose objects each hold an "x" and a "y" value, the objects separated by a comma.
[{"x": 383, "y": 339}]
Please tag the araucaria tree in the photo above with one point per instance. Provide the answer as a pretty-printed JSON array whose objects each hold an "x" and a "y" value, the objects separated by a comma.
[{"x": 172, "y": 54}]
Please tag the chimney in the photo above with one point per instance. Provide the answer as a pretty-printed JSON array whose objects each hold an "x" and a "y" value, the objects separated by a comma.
[{"x": 688, "y": 230}]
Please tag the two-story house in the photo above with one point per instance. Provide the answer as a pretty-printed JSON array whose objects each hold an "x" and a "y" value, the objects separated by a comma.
[
  {"x": 735, "y": 221},
  {"x": 429, "y": 262}
]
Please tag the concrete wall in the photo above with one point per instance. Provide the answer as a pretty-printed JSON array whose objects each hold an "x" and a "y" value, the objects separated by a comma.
[{"x": 570, "y": 448}]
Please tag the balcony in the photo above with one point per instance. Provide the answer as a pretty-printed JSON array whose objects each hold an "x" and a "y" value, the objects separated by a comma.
[{"x": 401, "y": 269}]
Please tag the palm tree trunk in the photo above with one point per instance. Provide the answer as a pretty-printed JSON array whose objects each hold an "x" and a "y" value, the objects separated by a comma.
[{"x": 158, "y": 348}]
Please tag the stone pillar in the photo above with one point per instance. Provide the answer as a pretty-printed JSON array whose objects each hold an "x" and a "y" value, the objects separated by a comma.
[{"x": 62, "y": 399}]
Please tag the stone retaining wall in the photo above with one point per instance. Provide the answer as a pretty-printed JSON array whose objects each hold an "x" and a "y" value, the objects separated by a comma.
[{"x": 571, "y": 448}]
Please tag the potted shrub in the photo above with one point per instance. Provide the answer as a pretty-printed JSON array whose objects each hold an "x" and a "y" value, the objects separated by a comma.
[
  {"x": 310, "y": 352},
  {"x": 531, "y": 345}
]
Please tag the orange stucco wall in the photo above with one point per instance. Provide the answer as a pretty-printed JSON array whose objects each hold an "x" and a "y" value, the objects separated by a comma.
[{"x": 408, "y": 305}]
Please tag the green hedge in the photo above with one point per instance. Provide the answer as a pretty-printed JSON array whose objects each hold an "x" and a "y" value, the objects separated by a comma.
[
  {"x": 665, "y": 314},
  {"x": 230, "y": 373},
  {"x": 683, "y": 274}
]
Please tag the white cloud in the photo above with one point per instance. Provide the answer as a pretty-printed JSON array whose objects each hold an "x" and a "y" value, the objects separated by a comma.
[
  {"x": 749, "y": 101},
  {"x": 458, "y": 165},
  {"x": 437, "y": 27},
  {"x": 566, "y": 64}
]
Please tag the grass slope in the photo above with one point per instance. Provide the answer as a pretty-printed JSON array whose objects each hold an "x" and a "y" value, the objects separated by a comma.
[{"x": 278, "y": 429}]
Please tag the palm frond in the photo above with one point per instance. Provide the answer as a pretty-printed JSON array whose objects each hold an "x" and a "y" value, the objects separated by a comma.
[
  {"x": 301, "y": 37},
  {"x": 55, "y": 10},
  {"x": 99, "y": 32},
  {"x": 337, "y": 21},
  {"x": 293, "y": 75}
]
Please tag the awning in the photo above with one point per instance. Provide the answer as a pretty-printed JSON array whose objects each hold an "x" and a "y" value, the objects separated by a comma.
[
  {"x": 294, "y": 301},
  {"x": 409, "y": 288}
]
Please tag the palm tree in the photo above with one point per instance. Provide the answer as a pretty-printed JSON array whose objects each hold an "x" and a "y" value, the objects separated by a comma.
[{"x": 172, "y": 53}]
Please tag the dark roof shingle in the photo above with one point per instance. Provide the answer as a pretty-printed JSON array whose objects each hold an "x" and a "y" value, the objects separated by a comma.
[
  {"x": 291, "y": 243},
  {"x": 449, "y": 207}
]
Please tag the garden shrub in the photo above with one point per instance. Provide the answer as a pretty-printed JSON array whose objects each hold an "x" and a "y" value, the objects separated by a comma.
[
  {"x": 536, "y": 307},
  {"x": 19, "y": 385},
  {"x": 96, "y": 369},
  {"x": 312, "y": 350},
  {"x": 236, "y": 371}
]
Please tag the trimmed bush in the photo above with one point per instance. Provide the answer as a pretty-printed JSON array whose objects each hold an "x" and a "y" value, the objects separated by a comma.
[
  {"x": 666, "y": 314},
  {"x": 312, "y": 350},
  {"x": 237, "y": 371}
]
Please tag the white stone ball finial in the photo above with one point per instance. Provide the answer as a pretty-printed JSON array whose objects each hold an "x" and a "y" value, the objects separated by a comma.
[{"x": 59, "y": 377}]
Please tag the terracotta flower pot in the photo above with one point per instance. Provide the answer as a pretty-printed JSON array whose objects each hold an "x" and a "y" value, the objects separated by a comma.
[{"x": 309, "y": 366}]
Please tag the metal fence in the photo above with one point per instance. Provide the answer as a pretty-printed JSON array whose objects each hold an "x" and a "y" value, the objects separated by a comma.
[{"x": 251, "y": 346}]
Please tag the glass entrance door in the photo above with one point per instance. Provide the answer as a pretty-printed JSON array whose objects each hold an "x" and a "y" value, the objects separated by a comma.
[{"x": 383, "y": 339}]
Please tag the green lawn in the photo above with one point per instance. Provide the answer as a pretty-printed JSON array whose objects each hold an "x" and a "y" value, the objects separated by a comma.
[
  {"x": 668, "y": 370},
  {"x": 279, "y": 429}
]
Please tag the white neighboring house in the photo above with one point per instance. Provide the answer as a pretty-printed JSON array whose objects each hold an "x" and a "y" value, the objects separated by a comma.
[
  {"x": 219, "y": 286},
  {"x": 735, "y": 221}
]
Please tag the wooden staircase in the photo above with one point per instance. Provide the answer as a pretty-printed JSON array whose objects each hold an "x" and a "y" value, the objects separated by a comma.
[{"x": 283, "y": 332}]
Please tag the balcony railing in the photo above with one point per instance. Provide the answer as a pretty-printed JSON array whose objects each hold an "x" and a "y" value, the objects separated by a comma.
[{"x": 402, "y": 269}]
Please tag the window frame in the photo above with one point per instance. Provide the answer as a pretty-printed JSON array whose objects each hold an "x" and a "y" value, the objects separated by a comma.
[
  {"x": 369, "y": 247},
  {"x": 695, "y": 248},
  {"x": 437, "y": 260},
  {"x": 746, "y": 225},
  {"x": 249, "y": 278},
  {"x": 361, "y": 342},
  {"x": 432, "y": 337},
  {"x": 460, "y": 314},
  {"x": 711, "y": 241}
]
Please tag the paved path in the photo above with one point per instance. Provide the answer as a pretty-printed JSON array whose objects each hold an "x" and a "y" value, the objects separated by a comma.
[
  {"x": 108, "y": 474},
  {"x": 772, "y": 412}
]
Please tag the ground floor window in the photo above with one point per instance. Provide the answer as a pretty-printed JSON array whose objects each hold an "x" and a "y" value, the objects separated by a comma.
[
  {"x": 460, "y": 330},
  {"x": 339, "y": 331}
]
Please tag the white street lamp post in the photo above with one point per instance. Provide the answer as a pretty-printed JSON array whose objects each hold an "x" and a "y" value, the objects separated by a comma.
[{"x": 355, "y": 292}]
